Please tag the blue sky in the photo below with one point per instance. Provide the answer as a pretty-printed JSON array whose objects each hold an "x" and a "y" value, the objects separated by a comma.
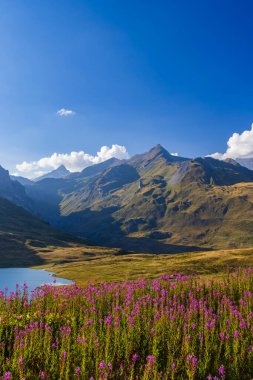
[{"x": 135, "y": 73}]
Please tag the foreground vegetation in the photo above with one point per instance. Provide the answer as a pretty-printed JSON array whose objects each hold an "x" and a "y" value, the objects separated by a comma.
[{"x": 174, "y": 327}]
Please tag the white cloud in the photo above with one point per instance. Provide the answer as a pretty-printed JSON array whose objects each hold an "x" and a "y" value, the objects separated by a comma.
[
  {"x": 74, "y": 161},
  {"x": 63, "y": 112},
  {"x": 238, "y": 146},
  {"x": 174, "y": 154}
]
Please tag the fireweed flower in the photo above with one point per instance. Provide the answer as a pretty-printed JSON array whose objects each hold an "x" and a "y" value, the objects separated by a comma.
[
  {"x": 21, "y": 360},
  {"x": 135, "y": 357},
  {"x": 221, "y": 370},
  {"x": 77, "y": 370},
  {"x": 102, "y": 365},
  {"x": 193, "y": 361},
  {"x": 7, "y": 376},
  {"x": 64, "y": 354},
  {"x": 150, "y": 359}
]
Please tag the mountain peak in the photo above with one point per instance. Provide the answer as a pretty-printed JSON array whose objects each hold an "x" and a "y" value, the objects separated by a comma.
[
  {"x": 61, "y": 167},
  {"x": 158, "y": 148},
  {"x": 158, "y": 151},
  {"x": 60, "y": 172}
]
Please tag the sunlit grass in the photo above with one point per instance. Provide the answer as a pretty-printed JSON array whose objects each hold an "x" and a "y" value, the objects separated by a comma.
[{"x": 131, "y": 266}]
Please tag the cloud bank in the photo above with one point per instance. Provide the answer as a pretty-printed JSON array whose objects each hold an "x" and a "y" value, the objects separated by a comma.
[
  {"x": 238, "y": 146},
  {"x": 74, "y": 161},
  {"x": 63, "y": 112}
]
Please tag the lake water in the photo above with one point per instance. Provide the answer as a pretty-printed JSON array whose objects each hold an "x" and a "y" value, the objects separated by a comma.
[{"x": 33, "y": 278}]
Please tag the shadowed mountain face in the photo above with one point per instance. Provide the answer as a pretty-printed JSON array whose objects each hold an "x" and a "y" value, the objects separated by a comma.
[
  {"x": 13, "y": 190},
  {"x": 153, "y": 202},
  {"x": 22, "y": 180},
  {"x": 25, "y": 239},
  {"x": 90, "y": 171}
]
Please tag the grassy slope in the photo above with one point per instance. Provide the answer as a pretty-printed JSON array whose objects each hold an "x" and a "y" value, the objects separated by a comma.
[
  {"x": 132, "y": 266},
  {"x": 191, "y": 212},
  {"x": 217, "y": 217},
  {"x": 26, "y": 240}
]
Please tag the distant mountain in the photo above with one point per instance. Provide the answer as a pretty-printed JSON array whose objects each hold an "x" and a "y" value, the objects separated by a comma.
[
  {"x": 22, "y": 180},
  {"x": 153, "y": 202},
  {"x": 247, "y": 162},
  {"x": 13, "y": 190},
  {"x": 60, "y": 172}
]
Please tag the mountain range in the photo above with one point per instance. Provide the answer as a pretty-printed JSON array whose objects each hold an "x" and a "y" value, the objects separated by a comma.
[{"x": 152, "y": 202}]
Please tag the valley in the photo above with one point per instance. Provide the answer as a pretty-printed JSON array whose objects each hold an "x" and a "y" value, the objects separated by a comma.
[{"x": 151, "y": 214}]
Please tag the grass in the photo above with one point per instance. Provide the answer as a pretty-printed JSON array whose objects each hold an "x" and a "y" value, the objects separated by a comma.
[{"x": 109, "y": 267}]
